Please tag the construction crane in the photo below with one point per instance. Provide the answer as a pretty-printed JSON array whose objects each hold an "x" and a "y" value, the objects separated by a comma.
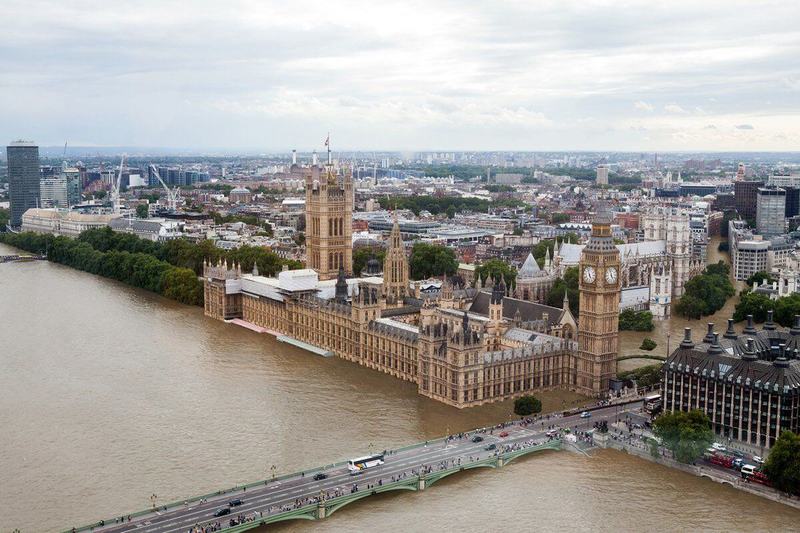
[
  {"x": 115, "y": 186},
  {"x": 173, "y": 196}
]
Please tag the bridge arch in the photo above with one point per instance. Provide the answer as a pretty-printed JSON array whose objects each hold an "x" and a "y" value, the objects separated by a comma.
[
  {"x": 433, "y": 477},
  {"x": 356, "y": 496}
]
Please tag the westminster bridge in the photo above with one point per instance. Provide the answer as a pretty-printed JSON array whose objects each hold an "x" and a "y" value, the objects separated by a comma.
[{"x": 318, "y": 493}]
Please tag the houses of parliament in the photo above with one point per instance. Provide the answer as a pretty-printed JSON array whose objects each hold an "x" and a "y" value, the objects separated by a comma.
[{"x": 463, "y": 346}]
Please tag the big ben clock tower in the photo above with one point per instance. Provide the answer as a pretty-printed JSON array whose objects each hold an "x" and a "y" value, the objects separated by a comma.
[{"x": 598, "y": 317}]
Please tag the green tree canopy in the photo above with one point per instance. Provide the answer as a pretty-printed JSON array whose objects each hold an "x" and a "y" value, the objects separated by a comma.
[
  {"x": 751, "y": 303},
  {"x": 568, "y": 284},
  {"x": 758, "y": 277},
  {"x": 645, "y": 376},
  {"x": 630, "y": 320},
  {"x": 527, "y": 405},
  {"x": 5, "y": 215},
  {"x": 688, "y": 435},
  {"x": 707, "y": 293},
  {"x": 783, "y": 464},
  {"x": 429, "y": 260},
  {"x": 648, "y": 344},
  {"x": 364, "y": 254},
  {"x": 142, "y": 211}
]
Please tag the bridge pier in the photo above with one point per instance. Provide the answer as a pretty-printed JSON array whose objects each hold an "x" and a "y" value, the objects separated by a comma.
[
  {"x": 500, "y": 461},
  {"x": 421, "y": 482},
  {"x": 321, "y": 510}
]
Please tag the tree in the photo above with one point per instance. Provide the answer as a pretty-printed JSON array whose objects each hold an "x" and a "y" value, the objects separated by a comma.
[
  {"x": 648, "y": 344},
  {"x": 4, "y": 218},
  {"x": 758, "y": 278},
  {"x": 142, "y": 211},
  {"x": 451, "y": 211},
  {"x": 527, "y": 405},
  {"x": 644, "y": 376},
  {"x": 630, "y": 320},
  {"x": 364, "y": 254},
  {"x": 559, "y": 218},
  {"x": 541, "y": 248},
  {"x": 569, "y": 285},
  {"x": 783, "y": 464},
  {"x": 752, "y": 303},
  {"x": 688, "y": 435},
  {"x": 496, "y": 269},
  {"x": 707, "y": 293},
  {"x": 429, "y": 260}
]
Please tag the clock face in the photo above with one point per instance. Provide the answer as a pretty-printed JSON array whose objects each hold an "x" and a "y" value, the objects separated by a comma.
[
  {"x": 588, "y": 274},
  {"x": 611, "y": 276}
]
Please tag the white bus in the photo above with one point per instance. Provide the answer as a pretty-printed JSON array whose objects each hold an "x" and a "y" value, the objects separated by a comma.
[
  {"x": 652, "y": 404},
  {"x": 356, "y": 466}
]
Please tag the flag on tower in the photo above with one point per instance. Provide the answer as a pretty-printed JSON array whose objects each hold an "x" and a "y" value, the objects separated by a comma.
[{"x": 328, "y": 140}]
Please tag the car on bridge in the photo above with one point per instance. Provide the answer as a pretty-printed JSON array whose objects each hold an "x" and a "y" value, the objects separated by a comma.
[
  {"x": 477, "y": 438},
  {"x": 235, "y": 503},
  {"x": 319, "y": 476},
  {"x": 490, "y": 447},
  {"x": 222, "y": 512},
  {"x": 504, "y": 434},
  {"x": 586, "y": 414}
]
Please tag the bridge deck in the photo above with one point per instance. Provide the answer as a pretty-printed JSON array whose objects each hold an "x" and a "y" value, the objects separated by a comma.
[{"x": 300, "y": 496}]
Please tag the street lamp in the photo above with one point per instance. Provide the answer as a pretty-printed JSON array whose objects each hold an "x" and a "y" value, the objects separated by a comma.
[
  {"x": 272, "y": 469},
  {"x": 153, "y": 499}
]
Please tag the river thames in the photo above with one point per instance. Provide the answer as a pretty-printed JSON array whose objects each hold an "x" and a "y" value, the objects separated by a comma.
[{"x": 110, "y": 394}]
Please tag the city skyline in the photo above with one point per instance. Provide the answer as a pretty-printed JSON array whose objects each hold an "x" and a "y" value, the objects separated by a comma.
[{"x": 547, "y": 77}]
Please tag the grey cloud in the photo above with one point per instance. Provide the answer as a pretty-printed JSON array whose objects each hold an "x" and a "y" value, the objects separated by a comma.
[{"x": 745, "y": 127}]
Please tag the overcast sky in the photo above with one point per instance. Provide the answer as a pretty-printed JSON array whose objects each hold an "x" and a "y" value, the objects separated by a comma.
[{"x": 429, "y": 75}]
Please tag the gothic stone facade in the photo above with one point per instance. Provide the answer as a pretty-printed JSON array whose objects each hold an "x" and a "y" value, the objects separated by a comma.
[{"x": 459, "y": 357}]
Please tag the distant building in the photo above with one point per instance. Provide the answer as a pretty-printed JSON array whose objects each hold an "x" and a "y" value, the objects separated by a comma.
[
  {"x": 62, "y": 222},
  {"x": 151, "y": 229},
  {"x": 745, "y": 193},
  {"x": 508, "y": 179},
  {"x": 53, "y": 192},
  {"x": 240, "y": 195},
  {"x": 74, "y": 187},
  {"x": 771, "y": 211},
  {"x": 602, "y": 175},
  {"x": 23, "y": 178}
]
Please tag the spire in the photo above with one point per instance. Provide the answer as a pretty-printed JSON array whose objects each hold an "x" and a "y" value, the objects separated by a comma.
[
  {"x": 565, "y": 304},
  {"x": 341, "y": 287},
  {"x": 547, "y": 260},
  {"x": 255, "y": 268},
  {"x": 465, "y": 324}
]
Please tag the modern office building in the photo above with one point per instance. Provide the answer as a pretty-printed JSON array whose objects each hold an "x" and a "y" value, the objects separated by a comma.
[
  {"x": 23, "y": 178},
  {"x": 748, "y": 384},
  {"x": 602, "y": 175},
  {"x": 745, "y": 193},
  {"x": 771, "y": 211},
  {"x": 74, "y": 186},
  {"x": 53, "y": 192}
]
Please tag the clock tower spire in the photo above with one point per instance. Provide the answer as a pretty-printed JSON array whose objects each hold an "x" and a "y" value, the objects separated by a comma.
[{"x": 598, "y": 317}]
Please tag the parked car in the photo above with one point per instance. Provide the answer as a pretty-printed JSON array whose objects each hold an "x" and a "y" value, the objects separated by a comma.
[
  {"x": 586, "y": 414},
  {"x": 222, "y": 512},
  {"x": 719, "y": 447},
  {"x": 748, "y": 470},
  {"x": 319, "y": 476},
  {"x": 477, "y": 438}
]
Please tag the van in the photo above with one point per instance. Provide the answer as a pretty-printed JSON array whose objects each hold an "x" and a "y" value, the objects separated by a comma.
[{"x": 748, "y": 470}]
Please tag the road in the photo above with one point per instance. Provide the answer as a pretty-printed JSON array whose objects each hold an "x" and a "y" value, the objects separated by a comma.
[{"x": 302, "y": 489}]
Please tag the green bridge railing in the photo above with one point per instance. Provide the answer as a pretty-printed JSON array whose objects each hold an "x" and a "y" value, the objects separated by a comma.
[{"x": 326, "y": 507}]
